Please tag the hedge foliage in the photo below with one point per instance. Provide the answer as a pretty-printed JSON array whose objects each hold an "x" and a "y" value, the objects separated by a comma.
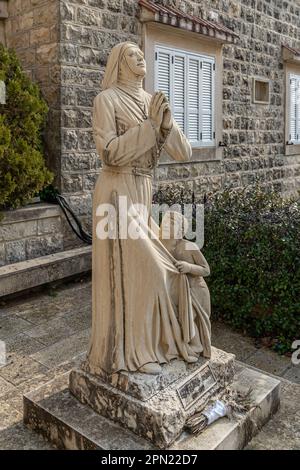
[
  {"x": 252, "y": 244},
  {"x": 22, "y": 168}
]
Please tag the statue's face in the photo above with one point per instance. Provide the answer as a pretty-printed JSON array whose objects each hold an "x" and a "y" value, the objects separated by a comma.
[{"x": 134, "y": 58}]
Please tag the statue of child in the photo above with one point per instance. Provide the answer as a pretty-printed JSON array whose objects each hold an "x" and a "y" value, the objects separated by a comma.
[{"x": 190, "y": 261}]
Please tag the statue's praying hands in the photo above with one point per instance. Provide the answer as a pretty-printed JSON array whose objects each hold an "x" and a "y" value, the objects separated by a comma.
[{"x": 160, "y": 112}]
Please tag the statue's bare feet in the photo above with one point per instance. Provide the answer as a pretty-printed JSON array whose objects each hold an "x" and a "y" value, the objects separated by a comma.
[{"x": 151, "y": 368}]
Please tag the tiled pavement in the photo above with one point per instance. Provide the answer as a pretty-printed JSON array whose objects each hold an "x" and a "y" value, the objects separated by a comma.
[{"x": 47, "y": 333}]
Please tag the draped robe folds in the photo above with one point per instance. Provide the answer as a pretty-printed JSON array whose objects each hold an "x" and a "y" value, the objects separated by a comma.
[
  {"x": 189, "y": 252},
  {"x": 142, "y": 307}
]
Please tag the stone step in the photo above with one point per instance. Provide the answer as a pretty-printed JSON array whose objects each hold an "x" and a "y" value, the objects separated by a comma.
[
  {"x": 55, "y": 413},
  {"x": 38, "y": 271}
]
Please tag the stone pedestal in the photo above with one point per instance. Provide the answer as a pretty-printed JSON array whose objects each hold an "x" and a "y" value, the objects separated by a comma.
[
  {"x": 155, "y": 407},
  {"x": 148, "y": 412}
]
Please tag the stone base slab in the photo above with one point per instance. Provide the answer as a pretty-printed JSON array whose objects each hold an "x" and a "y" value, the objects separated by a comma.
[
  {"x": 155, "y": 407},
  {"x": 68, "y": 424},
  {"x": 145, "y": 386}
]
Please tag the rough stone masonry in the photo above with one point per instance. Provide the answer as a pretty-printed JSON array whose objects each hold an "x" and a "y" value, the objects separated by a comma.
[{"x": 63, "y": 45}]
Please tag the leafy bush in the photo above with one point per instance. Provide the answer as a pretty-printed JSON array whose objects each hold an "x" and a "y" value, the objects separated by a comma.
[
  {"x": 252, "y": 244},
  {"x": 22, "y": 168}
]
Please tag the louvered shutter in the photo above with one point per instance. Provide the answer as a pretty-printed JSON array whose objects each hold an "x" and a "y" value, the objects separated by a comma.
[
  {"x": 206, "y": 105},
  {"x": 298, "y": 109},
  {"x": 293, "y": 109},
  {"x": 163, "y": 72},
  {"x": 188, "y": 81},
  {"x": 178, "y": 101},
  {"x": 193, "y": 119}
]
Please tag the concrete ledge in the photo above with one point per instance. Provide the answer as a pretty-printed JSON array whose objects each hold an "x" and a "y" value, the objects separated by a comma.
[
  {"x": 35, "y": 272},
  {"x": 30, "y": 212}
]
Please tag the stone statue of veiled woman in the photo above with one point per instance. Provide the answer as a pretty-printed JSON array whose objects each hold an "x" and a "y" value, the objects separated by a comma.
[{"x": 142, "y": 311}]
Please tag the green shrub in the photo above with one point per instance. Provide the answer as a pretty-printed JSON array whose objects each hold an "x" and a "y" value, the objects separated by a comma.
[
  {"x": 22, "y": 168},
  {"x": 252, "y": 244},
  {"x": 253, "y": 247}
]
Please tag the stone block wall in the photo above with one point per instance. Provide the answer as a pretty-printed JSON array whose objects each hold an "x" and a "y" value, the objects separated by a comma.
[
  {"x": 253, "y": 134},
  {"x": 89, "y": 29},
  {"x": 32, "y": 29},
  {"x": 63, "y": 44},
  {"x": 30, "y": 232}
]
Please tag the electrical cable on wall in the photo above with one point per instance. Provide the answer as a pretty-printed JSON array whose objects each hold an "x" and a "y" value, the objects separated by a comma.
[{"x": 73, "y": 220}]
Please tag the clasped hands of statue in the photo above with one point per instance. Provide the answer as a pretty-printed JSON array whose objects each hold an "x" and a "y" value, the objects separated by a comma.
[{"x": 160, "y": 112}]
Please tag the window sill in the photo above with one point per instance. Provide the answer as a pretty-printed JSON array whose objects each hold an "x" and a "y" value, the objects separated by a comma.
[
  {"x": 199, "y": 154},
  {"x": 207, "y": 153},
  {"x": 293, "y": 149}
]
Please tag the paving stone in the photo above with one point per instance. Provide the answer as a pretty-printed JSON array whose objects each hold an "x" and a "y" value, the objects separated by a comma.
[
  {"x": 32, "y": 383},
  {"x": 42, "y": 378},
  {"x": 81, "y": 297},
  {"x": 269, "y": 361},
  {"x": 14, "y": 398},
  {"x": 39, "y": 314},
  {"x": 283, "y": 431},
  {"x": 80, "y": 319},
  {"x": 19, "y": 437},
  {"x": 64, "y": 350},
  {"x": 8, "y": 415},
  {"x": 21, "y": 368},
  {"x": 52, "y": 331},
  {"x": 293, "y": 374},
  {"x": 227, "y": 340},
  {"x": 22, "y": 344},
  {"x": 11, "y": 325},
  {"x": 7, "y": 310},
  {"x": 68, "y": 365},
  {"x": 5, "y": 386}
]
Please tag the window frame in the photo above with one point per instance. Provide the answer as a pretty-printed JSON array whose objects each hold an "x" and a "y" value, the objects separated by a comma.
[
  {"x": 293, "y": 75},
  {"x": 157, "y": 33},
  {"x": 186, "y": 54},
  {"x": 255, "y": 81},
  {"x": 292, "y": 149}
]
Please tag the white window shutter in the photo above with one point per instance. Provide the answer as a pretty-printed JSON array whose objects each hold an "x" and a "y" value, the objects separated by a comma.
[
  {"x": 178, "y": 90},
  {"x": 193, "y": 99},
  {"x": 163, "y": 71},
  {"x": 293, "y": 109},
  {"x": 206, "y": 103},
  {"x": 187, "y": 79},
  {"x": 298, "y": 109}
]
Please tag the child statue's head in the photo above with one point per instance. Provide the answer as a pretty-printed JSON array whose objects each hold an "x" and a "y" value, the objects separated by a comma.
[{"x": 173, "y": 226}]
